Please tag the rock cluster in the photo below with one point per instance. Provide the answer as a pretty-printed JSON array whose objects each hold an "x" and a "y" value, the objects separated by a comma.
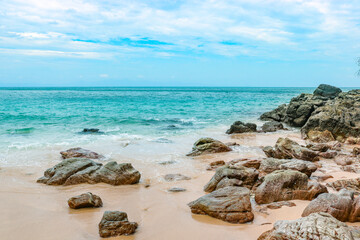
[
  {"x": 208, "y": 145},
  {"x": 82, "y": 170},
  {"x": 240, "y": 127},
  {"x": 115, "y": 223}
]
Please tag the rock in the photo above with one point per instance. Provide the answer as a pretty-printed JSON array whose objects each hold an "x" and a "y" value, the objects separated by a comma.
[
  {"x": 355, "y": 211},
  {"x": 116, "y": 223},
  {"x": 277, "y": 114},
  {"x": 80, "y": 153},
  {"x": 321, "y": 177},
  {"x": 320, "y": 147},
  {"x": 284, "y": 185},
  {"x": 240, "y": 127},
  {"x": 208, "y": 145},
  {"x": 277, "y": 205},
  {"x": 232, "y": 144},
  {"x": 175, "y": 177},
  {"x": 272, "y": 126},
  {"x": 91, "y": 130},
  {"x": 316, "y": 226},
  {"x": 328, "y": 155},
  {"x": 236, "y": 175},
  {"x": 215, "y": 165},
  {"x": 176, "y": 189},
  {"x": 245, "y": 162},
  {"x": 325, "y": 90},
  {"x": 337, "y": 205},
  {"x": 82, "y": 170},
  {"x": 230, "y": 204},
  {"x": 270, "y": 165},
  {"x": 352, "y": 140},
  {"x": 356, "y": 151},
  {"x": 286, "y": 148},
  {"x": 320, "y": 137},
  {"x": 349, "y": 184},
  {"x": 85, "y": 200},
  {"x": 344, "y": 159}
]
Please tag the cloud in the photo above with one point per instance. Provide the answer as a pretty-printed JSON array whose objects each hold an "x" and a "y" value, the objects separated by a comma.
[{"x": 104, "y": 75}]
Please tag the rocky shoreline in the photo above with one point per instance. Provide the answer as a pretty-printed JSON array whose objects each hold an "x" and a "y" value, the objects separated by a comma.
[{"x": 235, "y": 189}]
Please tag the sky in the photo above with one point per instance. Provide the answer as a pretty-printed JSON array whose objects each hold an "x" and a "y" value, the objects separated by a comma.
[{"x": 250, "y": 43}]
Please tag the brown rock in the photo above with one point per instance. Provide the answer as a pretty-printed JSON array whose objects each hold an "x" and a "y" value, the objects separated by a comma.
[
  {"x": 353, "y": 140},
  {"x": 328, "y": 154},
  {"x": 270, "y": 165},
  {"x": 80, "y": 153},
  {"x": 284, "y": 185},
  {"x": 356, "y": 151},
  {"x": 349, "y": 184},
  {"x": 343, "y": 160},
  {"x": 320, "y": 137},
  {"x": 355, "y": 211},
  {"x": 245, "y": 162},
  {"x": 215, "y": 165},
  {"x": 230, "y": 204},
  {"x": 175, "y": 177},
  {"x": 115, "y": 223},
  {"x": 85, "y": 200},
  {"x": 207, "y": 146}
]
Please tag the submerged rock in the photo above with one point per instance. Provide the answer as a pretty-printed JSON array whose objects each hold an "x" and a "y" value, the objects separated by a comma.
[
  {"x": 284, "y": 185},
  {"x": 315, "y": 226},
  {"x": 230, "y": 204},
  {"x": 116, "y": 223},
  {"x": 232, "y": 176},
  {"x": 270, "y": 165},
  {"x": 85, "y": 200},
  {"x": 208, "y": 145},
  {"x": 80, "y": 153},
  {"x": 286, "y": 148},
  {"x": 272, "y": 126},
  {"x": 240, "y": 127},
  {"x": 82, "y": 170},
  {"x": 175, "y": 177}
]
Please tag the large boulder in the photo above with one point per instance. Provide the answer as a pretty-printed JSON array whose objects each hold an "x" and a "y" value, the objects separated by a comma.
[
  {"x": 286, "y": 148},
  {"x": 240, "y": 127},
  {"x": 82, "y": 170},
  {"x": 337, "y": 205},
  {"x": 232, "y": 176},
  {"x": 270, "y": 165},
  {"x": 349, "y": 184},
  {"x": 230, "y": 204},
  {"x": 326, "y": 90},
  {"x": 80, "y": 153},
  {"x": 316, "y": 226},
  {"x": 272, "y": 126},
  {"x": 116, "y": 223},
  {"x": 284, "y": 185},
  {"x": 85, "y": 200},
  {"x": 208, "y": 145}
]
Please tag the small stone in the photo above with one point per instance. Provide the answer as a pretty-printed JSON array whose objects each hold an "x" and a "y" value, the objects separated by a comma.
[
  {"x": 115, "y": 223},
  {"x": 176, "y": 189},
  {"x": 175, "y": 177},
  {"x": 85, "y": 200}
]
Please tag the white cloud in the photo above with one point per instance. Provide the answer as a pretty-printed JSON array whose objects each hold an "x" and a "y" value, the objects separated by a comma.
[{"x": 104, "y": 75}]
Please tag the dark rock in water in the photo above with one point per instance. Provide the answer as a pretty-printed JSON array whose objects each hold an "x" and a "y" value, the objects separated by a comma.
[
  {"x": 325, "y": 90},
  {"x": 91, "y": 131},
  {"x": 82, "y": 170},
  {"x": 163, "y": 140},
  {"x": 284, "y": 185},
  {"x": 116, "y": 223},
  {"x": 315, "y": 226},
  {"x": 80, "y": 153},
  {"x": 277, "y": 114},
  {"x": 337, "y": 205},
  {"x": 176, "y": 189},
  {"x": 230, "y": 204},
  {"x": 272, "y": 126},
  {"x": 286, "y": 148},
  {"x": 171, "y": 127},
  {"x": 85, "y": 200},
  {"x": 232, "y": 176},
  {"x": 175, "y": 177},
  {"x": 240, "y": 127},
  {"x": 208, "y": 145},
  {"x": 349, "y": 184},
  {"x": 270, "y": 165}
]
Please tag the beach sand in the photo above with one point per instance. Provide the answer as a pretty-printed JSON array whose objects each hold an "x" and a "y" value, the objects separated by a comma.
[{"x": 30, "y": 210}]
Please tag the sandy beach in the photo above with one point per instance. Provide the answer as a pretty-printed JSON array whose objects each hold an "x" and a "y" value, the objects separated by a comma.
[{"x": 38, "y": 211}]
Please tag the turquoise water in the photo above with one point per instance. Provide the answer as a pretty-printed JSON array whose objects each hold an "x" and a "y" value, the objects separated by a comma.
[{"x": 36, "y": 116}]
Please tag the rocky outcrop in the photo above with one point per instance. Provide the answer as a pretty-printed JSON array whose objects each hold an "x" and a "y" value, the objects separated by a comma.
[
  {"x": 349, "y": 184},
  {"x": 320, "y": 137},
  {"x": 208, "y": 145},
  {"x": 326, "y": 109},
  {"x": 232, "y": 176},
  {"x": 315, "y": 226},
  {"x": 230, "y": 204},
  {"x": 284, "y": 185},
  {"x": 337, "y": 205},
  {"x": 272, "y": 126},
  {"x": 85, "y": 200},
  {"x": 82, "y": 170},
  {"x": 240, "y": 127},
  {"x": 80, "y": 153},
  {"x": 116, "y": 223},
  {"x": 286, "y": 148},
  {"x": 270, "y": 165}
]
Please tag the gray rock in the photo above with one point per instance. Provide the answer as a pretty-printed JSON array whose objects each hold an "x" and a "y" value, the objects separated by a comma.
[
  {"x": 176, "y": 189},
  {"x": 240, "y": 127},
  {"x": 81, "y": 170},
  {"x": 80, "y": 153},
  {"x": 85, "y": 200},
  {"x": 116, "y": 223},
  {"x": 272, "y": 126},
  {"x": 230, "y": 204},
  {"x": 349, "y": 184},
  {"x": 175, "y": 177},
  {"x": 207, "y": 146},
  {"x": 270, "y": 165},
  {"x": 326, "y": 90}
]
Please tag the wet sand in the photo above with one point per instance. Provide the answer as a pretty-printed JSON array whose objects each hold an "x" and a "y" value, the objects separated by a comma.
[{"x": 36, "y": 211}]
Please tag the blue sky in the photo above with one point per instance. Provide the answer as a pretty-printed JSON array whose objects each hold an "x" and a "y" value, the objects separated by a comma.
[{"x": 179, "y": 43}]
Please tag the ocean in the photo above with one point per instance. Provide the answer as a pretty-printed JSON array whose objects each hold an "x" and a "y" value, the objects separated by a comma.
[{"x": 36, "y": 119}]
